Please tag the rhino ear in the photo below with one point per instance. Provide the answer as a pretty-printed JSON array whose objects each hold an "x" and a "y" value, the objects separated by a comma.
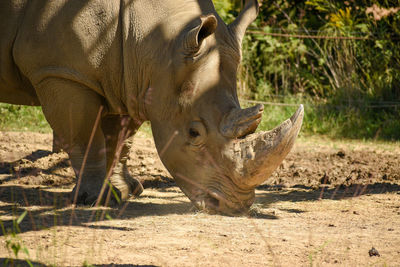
[
  {"x": 196, "y": 36},
  {"x": 245, "y": 18}
]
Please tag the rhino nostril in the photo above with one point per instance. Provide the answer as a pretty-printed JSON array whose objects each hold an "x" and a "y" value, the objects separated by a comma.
[{"x": 212, "y": 202}]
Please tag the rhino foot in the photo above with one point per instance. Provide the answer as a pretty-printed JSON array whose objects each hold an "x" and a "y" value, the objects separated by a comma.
[
  {"x": 89, "y": 197},
  {"x": 126, "y": 184},
  {"x": 123, "y": 187}
]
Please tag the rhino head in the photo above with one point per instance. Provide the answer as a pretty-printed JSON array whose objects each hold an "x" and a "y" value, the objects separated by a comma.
[{"x": 203, "y": 137}]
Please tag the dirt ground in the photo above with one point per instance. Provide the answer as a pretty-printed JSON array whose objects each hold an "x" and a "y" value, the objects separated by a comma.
[{"x": 328, "y": 204}]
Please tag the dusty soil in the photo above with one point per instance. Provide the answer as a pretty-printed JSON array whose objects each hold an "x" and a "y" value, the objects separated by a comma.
[{"x": 328, "y": 204}]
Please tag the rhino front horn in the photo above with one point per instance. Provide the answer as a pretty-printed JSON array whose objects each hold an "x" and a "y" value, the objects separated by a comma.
[{"x": 259, "y": 154}]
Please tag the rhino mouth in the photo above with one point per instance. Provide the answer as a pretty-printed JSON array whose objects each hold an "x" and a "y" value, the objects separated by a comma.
[
  {"x": 209, "y": 202},
  {"x": 215, "y": 202}
]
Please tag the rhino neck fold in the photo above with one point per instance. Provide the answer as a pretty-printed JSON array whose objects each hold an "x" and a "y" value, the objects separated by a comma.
[{"x": 135, "y": 70}]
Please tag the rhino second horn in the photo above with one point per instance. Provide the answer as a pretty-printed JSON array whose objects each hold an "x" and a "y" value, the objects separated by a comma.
[
  {"x": 241, "y": 122},
  {"x": 258, "y": 155},
  {"x": 245, "y": 18}
]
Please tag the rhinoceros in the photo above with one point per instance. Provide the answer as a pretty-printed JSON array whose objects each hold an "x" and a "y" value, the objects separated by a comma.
[{"x": 100, "y": 68}]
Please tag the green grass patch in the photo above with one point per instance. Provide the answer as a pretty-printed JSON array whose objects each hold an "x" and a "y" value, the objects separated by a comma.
[
  {"x": 22, "y": 118},
  {"x": 145, "y": 129},
  {"x": 337, "y": 121},
  {"x": 27, "y": 118},
  {"x": 354, "y": 123}
]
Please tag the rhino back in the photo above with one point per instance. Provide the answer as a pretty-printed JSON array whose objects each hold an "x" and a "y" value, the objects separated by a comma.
[
  {"x": 107, "y": 45},
  {"x": 75, "y": 40}
]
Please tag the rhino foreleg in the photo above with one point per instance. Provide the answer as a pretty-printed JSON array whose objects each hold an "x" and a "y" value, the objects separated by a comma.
[
  {"x": 57, "y": 143},
  {"x": 74, "y": 112},
  {"x": 118, "y": 131}
]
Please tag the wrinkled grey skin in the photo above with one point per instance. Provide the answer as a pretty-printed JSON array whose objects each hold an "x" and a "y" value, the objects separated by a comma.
[{"x": 100, "y": 68}]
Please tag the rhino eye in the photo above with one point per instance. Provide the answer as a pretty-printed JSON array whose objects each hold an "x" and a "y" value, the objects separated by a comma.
[
  {"x": 193, "y": 133},
  {"x": 197, "y": 133}
]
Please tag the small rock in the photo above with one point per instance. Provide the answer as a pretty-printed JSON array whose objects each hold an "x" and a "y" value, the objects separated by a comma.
[
  {"x": 340, "y": 154},
  {"x": 373, "y": 252}
]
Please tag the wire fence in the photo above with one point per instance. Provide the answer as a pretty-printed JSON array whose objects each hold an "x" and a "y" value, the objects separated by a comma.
[
  {"x": 274, "y": 96},
  {"x": 372, "y": 104},
  {"x": 305, "y": 34}
]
